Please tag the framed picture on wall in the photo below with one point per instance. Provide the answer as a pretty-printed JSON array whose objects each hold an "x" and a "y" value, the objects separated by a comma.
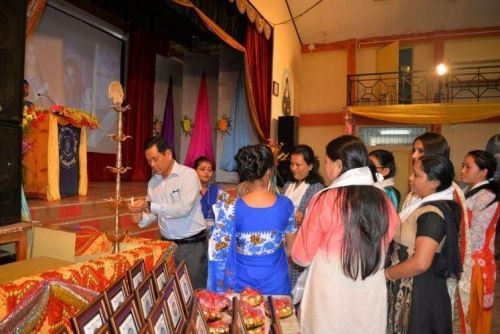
[{"x": 276, "y": 88}]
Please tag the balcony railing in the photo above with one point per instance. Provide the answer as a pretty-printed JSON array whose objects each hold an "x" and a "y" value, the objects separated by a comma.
[{"x": 480, "y": 84}]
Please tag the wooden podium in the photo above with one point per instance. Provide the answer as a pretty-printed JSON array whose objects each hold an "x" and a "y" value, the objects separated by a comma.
[{"x": 41, "y": 165}]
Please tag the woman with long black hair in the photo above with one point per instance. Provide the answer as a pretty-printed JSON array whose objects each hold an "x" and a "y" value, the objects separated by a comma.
[
  {"x": 343, "y": 240},
  {"x": 481, "y": 193}
]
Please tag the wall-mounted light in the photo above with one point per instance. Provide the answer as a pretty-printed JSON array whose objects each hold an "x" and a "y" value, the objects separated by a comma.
[
  {"x": 441, "y": 69},
  {"x": 311, "y": 47}
]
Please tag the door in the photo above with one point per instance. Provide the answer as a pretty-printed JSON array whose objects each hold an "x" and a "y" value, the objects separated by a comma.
[{"x": 386, "y": 89}]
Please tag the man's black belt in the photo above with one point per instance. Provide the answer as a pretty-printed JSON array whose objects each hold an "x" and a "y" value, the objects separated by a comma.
[{"x": 199, "y": 237}]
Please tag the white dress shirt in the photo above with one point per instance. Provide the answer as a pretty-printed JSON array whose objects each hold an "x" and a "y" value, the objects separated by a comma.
[{"x": 175, "y": 203}]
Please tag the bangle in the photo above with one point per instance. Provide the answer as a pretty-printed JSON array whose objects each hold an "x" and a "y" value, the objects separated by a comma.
[{"x": 389, "y": 278}]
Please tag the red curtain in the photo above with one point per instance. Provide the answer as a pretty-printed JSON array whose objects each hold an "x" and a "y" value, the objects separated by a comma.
[
  {"x": 96, "y": 166},
  {"x": 259, "y": 55},
  {"x": 139, "y": 94}
]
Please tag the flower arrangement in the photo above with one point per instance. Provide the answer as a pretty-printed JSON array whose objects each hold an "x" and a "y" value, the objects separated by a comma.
[
  {"x": 76, "y": 117},
  {"x": 32, "y": 116}
]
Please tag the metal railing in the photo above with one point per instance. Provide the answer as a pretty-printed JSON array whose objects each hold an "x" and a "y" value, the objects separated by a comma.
[{"x": 460, "y": 84}]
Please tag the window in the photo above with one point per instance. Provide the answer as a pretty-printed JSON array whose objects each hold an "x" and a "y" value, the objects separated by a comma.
[{"x": 390, "y": 135}]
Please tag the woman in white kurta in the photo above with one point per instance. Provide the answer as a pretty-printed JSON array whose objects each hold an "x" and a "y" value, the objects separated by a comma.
[{"x": 346, "y": 289}]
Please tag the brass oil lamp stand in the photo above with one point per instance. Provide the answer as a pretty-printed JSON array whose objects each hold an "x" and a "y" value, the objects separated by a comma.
[{"x": 116, "y": 95}]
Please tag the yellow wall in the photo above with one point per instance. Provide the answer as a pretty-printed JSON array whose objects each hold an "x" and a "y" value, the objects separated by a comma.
[
  {"x": 286, "y": 56},
  {"x": 472, "y": 50},
  {"x": 323, "y": 78}
]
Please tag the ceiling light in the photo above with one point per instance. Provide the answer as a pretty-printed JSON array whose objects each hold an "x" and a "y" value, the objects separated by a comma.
[{"x": 394, "y": 132}]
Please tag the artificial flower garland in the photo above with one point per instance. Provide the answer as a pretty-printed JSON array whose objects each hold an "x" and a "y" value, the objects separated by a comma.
[{"x": 76, "y": 117}]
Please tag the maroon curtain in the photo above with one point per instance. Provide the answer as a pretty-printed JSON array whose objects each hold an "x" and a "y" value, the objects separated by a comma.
[
  {"x": 96, "y": 166},
  {"x": 139, "y": 94},
  {"x": 259, "y": 55}
]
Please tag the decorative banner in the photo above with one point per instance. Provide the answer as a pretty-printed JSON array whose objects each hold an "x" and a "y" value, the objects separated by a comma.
[
  {"x": 167, "y": 128},
  {"x": 201, "y": 140},
  {"x": 69, "y": 163},
  {"x": 223, "y": 125},
  {"x": 233, "y": 142}
]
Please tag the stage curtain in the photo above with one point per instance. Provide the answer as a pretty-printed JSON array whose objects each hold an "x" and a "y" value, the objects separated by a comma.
[
  {"x": 96, "y": 166},
  {"x": 259, "y": 54},
  {"x": 237, "y": 46},
  {"x": 138, "y": 123},
  {"x": 433, "y": 113},
  {"x": 254, "y": 16},
  {"x": 33, "y": 13}
]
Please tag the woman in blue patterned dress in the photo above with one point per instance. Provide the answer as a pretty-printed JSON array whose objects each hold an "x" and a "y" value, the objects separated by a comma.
[{"x": 252, "y": 233}]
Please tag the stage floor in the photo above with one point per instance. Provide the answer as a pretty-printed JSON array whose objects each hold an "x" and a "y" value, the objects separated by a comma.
[{"x": 92, "y": 211}]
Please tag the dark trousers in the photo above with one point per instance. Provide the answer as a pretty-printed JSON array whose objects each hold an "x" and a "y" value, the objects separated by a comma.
[{"x": 195, "y": 255}]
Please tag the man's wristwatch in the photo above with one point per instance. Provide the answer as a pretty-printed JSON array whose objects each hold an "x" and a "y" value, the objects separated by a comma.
[{"x": 148, "y": 207}]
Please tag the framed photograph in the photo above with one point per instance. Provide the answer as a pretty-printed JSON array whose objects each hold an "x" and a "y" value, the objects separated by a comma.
[
  {"x": 276, "y": 88},
  {"x": 91, "y": 318},
  {"x": 146, "y": 329},
  {"x": 238, "y": 324},
  {"x": 136, "y": 274},
  {"x": 160, "y": 275},
  {"x": 104, "y": 329},
  {"x": 159, "y": 319},
  {"x": 116, "y": 293},
  {"x": 127, "y": 319},
  {"x": 197, "y": 319},
  {"x": 185, "y": 286},
  {"x": 145, "y": 295},
  {"x": 174, "y": 305},
  {"x": 275, "y": 319}
]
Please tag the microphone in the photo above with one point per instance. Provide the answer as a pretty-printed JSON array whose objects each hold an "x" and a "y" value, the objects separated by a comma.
[{"x": 45, "y": 95}]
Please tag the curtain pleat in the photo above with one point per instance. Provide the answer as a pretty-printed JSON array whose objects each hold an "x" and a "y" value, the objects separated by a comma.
[{"x": 140, "y": 96}]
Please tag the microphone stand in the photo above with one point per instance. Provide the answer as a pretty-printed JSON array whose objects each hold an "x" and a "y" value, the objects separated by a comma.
[{"x": 47, "y": 96}]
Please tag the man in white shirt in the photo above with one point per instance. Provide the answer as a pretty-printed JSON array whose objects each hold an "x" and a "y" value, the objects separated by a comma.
[{"x": 174, "y": 201}]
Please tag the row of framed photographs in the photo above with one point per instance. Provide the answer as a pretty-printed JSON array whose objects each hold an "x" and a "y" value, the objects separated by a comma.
[{"x": 136, "y": 302}]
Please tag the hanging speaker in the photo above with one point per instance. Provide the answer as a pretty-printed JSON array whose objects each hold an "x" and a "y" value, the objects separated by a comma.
[
  {"x": 288, "y": 132},
  {"x": 12, "y": 37},
  {"x": 10, "y": 173}
]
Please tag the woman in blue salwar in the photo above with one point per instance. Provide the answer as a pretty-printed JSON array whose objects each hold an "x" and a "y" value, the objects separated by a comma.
[{"x": 252, "y": 233}]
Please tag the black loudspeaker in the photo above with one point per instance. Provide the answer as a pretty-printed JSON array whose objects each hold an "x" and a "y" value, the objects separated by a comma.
[
  {"x": 288, "y": 132},
  {"x": 10, "y": 173},
  {"x": 12, "y": 37}
]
